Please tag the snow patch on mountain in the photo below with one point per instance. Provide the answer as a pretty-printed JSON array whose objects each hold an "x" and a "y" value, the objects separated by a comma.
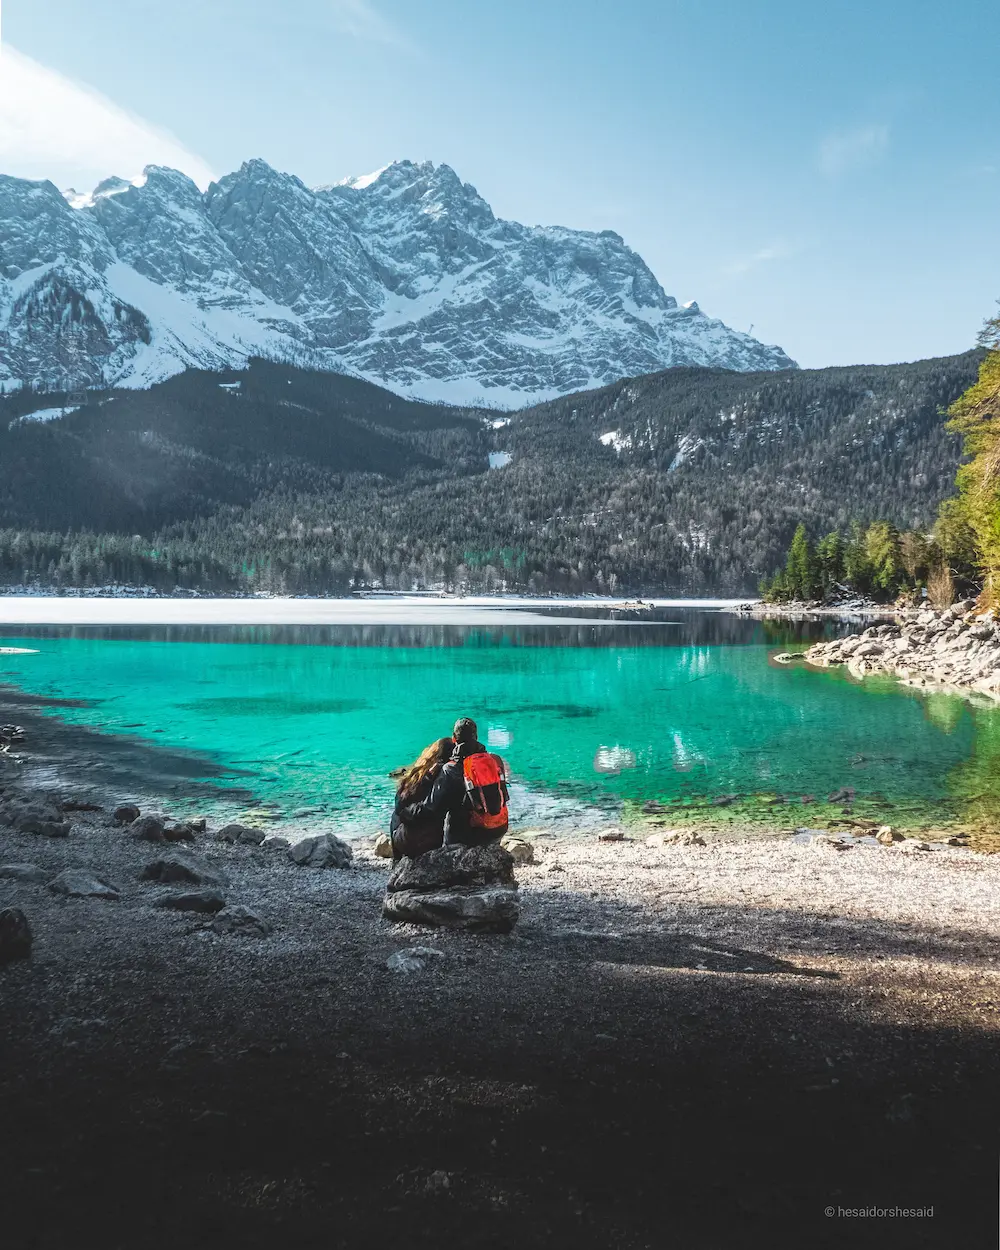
[
  {"x": 686, "y": 448},
  {"x": 616, "y": 440},
  {"x": 404, "y": 277}
]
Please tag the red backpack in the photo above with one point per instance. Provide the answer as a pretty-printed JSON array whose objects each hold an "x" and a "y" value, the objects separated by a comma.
[{"x": 485, "y": 791}]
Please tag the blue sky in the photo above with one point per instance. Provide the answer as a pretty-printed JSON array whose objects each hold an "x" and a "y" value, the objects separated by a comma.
[{"x": 829, "y": 173}]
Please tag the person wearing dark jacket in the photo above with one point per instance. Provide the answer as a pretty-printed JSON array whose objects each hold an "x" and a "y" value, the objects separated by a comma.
[
  {"x": 469, "y": 792},
  {"x": 412, "y": 835}
]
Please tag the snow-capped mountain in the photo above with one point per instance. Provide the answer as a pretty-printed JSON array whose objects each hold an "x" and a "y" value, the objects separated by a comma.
[{"x": 404, "y": 277}]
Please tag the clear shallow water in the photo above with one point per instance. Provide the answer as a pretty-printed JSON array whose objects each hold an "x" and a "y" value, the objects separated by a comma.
[{"x": 312, "y": 719}]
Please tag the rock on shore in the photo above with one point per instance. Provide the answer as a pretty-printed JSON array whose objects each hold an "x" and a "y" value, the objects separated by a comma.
[
  {"x": 957, "y": 647},
  {"x": 455, "y": 887},
  {"x": 15, "y": 935}
]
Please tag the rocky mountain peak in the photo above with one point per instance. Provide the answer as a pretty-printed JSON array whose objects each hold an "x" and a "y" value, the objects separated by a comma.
[{"x": 404, "y": 276}]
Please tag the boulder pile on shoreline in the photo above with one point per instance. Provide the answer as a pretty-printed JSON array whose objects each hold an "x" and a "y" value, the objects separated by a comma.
[{"x": 957, "y": 647}]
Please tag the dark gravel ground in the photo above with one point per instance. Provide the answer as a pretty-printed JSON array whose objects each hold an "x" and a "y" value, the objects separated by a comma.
[{"x": 597, "y": 1083}]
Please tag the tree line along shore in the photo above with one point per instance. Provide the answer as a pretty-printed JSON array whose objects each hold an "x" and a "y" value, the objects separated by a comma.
[
  {"x": 958, "y": 554},
  {"x": 284, "y": 481}
]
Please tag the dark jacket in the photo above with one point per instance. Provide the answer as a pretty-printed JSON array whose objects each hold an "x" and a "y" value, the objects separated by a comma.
[
  {"x": 416, "y": 834},
  {"x": 446, "y": 800}
]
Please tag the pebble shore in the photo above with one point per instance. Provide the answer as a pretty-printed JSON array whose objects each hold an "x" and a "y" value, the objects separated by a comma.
[{"x": 270, "y": 1058}]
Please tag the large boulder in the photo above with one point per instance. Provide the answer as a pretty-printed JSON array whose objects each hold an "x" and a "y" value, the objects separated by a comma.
[
  {"x": 489, "y": 910},
  {"x": 82, "y": 883},
  {"x": 275, "y": 842},
  {"x": 242, "y": 921},
  {"x": 469, "y": 867},
  {"x": 185, "y": 867},
  {"x": 147, "y": 829},
  {"x": 455, "y": 887},
  {"x": 320, "y": 850},
  {"x": 126, "y": 814},
  {"x": 15, "y": 935},
  {"x": 178, "y": 831},
  {"x": 210, "y": 899},
  {"x": 30, "y": 874},
  {"x": 245, "y": 834},
  {"x": 28, "y": 817}
]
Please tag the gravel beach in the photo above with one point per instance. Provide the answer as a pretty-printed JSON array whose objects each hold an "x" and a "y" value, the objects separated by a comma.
[{"x": 680, "y": 1044}]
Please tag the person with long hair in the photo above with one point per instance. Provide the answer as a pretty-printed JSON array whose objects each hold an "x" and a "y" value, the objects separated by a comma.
[
  {"x": 468, "y": 792},
  {"x": 413, "y": 835}
]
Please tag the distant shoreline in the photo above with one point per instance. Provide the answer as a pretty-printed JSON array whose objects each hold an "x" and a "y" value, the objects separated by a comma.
[{"x": 84, "y": 609}]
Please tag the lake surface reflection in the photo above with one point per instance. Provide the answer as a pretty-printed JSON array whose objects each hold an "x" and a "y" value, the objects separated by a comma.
[{"x": 313, "y": 718}]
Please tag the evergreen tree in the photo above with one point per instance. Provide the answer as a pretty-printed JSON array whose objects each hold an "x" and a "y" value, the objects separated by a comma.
[
  {"x": 975, "y": 513},
  {"x": 800, "y": 567},
  {"x": 857, "y": 566},
  {"x": 830, "y": 562},
  {"x": 881, "y": 543}
]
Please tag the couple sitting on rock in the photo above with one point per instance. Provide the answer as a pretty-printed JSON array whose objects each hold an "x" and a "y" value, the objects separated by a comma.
[{"x": 456, "y": 792}]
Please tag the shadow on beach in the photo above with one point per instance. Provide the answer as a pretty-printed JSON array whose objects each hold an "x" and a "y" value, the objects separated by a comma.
[{"x": 563, "y": 1085}]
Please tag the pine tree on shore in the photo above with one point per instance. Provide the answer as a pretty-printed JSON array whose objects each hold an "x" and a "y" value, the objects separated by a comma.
[
  {"x": 800, "y": 569},
  {"x": 830, "y": 562},
  {"x": 975, "y": 512}
]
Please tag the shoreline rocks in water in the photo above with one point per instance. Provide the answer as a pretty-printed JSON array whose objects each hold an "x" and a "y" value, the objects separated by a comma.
[
  {"x": 455, "y": 887},
  {"x": 957, "y": 647},
  {"x": 856, "y": 607}
]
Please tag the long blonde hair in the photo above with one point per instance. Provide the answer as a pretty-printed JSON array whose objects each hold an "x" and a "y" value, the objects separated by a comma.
[{"x": 427, "y": 764}]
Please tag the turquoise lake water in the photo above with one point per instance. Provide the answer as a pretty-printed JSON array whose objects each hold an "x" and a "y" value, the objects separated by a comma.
[{"x": 312, "y": 719}]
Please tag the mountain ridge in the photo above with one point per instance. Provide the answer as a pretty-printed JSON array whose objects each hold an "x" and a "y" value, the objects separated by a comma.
[
  {"x": 405, "y": 278},
  {"x": 688, "y": 481}
]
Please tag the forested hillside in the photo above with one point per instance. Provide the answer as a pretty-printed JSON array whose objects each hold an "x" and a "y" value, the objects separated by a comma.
[{"x": 689, "y": 480}]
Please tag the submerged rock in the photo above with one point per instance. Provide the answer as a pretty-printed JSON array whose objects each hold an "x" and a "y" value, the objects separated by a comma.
[
  {"x": 183, "y": 866},
  {"x": 79, "y": 805},
  {"x": 15, "y": 935},
  {"x": 83, "y": 883},
  {"x": 321, "y": 850}
]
